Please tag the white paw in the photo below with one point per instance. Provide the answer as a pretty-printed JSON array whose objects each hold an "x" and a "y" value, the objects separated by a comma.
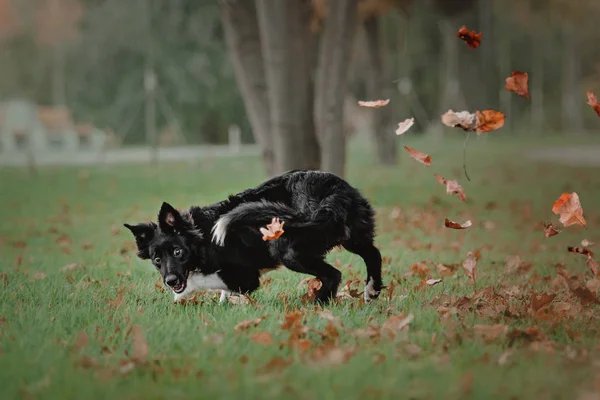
[
  {"x": 370, "y": 293},
  {"x": 224, "y": 295}
]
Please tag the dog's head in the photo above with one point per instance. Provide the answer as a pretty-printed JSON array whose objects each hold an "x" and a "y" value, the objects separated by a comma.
[{"x": 174, "y": 245}]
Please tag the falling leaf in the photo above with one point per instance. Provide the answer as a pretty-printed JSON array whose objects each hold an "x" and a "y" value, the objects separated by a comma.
[
  {"x": 591, "y": 262},
  {"x": 417, "y": 155},
  {"x": 586, "y": 243},
  {"x": 452, "y": 187},
  {"x": 549, "y": 230},
  {"x": 404, "y": 126},
  {"x": 432, "y": 282},
  {"x": 374, "y": 104},
  {"x": 463, "y": 119},
  {"x": 488, "y": 120},
  {"x": 244, "y": 325},
  {"x": 593, "y": 101},
  {"x": 491, "y": 333},
  {"x": 569, "y": 208},
  {"x": 472, "y": 38},
  {"x": 593, "y": 265},
  {"x": 541, "y": 301},
  {"x": 470, "y": 266},
  {"x": 518, "y": 83},
  {"x": 140, "y": 345},
  {"x": 263, "y": 338},
  {"x": 455, "y": 225},
  {"x": 273, "y": 230}
]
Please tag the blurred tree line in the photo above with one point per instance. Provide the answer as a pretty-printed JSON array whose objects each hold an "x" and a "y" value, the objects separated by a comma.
[{"x": 289, "y": 72}]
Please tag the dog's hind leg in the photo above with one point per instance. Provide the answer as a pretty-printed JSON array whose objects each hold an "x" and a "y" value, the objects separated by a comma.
[
  {"x": 372, "y": 258},
  {"x": 316, "y": 266}
]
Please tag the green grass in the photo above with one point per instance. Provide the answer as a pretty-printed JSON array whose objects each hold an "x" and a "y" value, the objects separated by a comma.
[{"x": 195, "y": 351}]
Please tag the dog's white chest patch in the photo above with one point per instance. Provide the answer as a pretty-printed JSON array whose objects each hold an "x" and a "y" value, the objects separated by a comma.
[{"x": 198, "y": 282}]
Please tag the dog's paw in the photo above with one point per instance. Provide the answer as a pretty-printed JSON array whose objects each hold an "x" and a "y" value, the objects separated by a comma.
[{"x": 370, "y": 292}]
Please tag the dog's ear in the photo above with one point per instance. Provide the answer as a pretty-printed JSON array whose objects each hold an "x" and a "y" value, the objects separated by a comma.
[
  {"x": 169, "y": 218},
  {"x": 143, "y": 234}
]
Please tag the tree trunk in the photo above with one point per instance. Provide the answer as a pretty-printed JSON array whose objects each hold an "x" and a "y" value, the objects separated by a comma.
[
  {"x": 380, "y": 87},
  {"x": 330, "y": 86},
  {"x": 571, "y": 101},
  {"x": 240, "y": 24},
  {"x": 287, "y": 50}
]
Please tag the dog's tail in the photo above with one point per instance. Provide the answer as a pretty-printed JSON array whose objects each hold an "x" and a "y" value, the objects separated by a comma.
[{"x": 323, "y": 217}]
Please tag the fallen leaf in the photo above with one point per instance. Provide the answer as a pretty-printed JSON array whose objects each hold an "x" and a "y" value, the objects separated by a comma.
[
  {"x": 312, "y": 288},
  {"x": 273, "y": 230},
  {"x": 549, "y": 230},
  {"x": 301, "y": 345},
  {"x": 140, "y": 345},
  {"x": 419, "y": 269},
  {"x": 452, "y": 187},
  {"x": 81, "y": 340},
  {"x": 472, "y": 38},
  {"x": 417, "y": 155},
  {"x": 244, "y": 325},
  {"x": 275, "y": 364},
  {"x": 470, "y": 266},
  {"x": 541, "y": 301},
  {"x": 405, "y": 125},
  {"x": 585, "y": 296},
  {"x": 455, "y": 225},
  {"x": 395, "y": 324},
  {"x": 593, "y": 265},
  {"x": 491, "y": 333},
  {"x": 593, "y": 101},
  {"x": 463, "y": 119},
  {"x": 531, "y": 334},
  {"x": 374, "y": 104},
  {"x": 488, "y": 120},
  {"x": 518, "y": 83},
  {"x": 291, "y": 320},
  {"x": 263, "y": 338},
  {"x": 593, "y": 284},
  {"x": 569, "y": 208},
  {"x": 432, "y": 282}
]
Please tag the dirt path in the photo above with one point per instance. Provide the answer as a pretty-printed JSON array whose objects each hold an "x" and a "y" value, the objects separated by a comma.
[{"x": 588, "y": 156}]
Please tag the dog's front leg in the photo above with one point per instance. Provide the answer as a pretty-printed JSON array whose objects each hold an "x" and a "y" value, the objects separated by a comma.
[{"x": 224, "y": 295}]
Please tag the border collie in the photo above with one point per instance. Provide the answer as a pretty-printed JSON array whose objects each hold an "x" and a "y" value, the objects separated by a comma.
[{"x": 220, "y": 247}]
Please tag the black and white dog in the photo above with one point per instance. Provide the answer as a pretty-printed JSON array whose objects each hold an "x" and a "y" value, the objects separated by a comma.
[{"x": 220, "y": 246}]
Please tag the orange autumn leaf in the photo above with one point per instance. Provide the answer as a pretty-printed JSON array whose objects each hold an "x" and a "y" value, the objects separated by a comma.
[
  {"x": 593, "y": 101},
  {"x": 470, "y": 266},
  {"x": 569, "y": 208},
  {"x": 591, "y": 262},
  {"x": 263, "y": 338},
  {"x": 488, "y": 120},
  {"x": 274, "y": 230},
  {"x": 472, "y": 38},
  {"x": 404, "y": 125},
  {"x": 140, "y": 345},
  {"x": 452, "y": 187},
  {"x": 518, "y": 83},
  {"x": 313, "y": 286},
  {"x": 549, "y": 230},
  {"x": 417, "y": 155},
  {"x": 455, "y": 225},
  {"x": 374, "y": 104},
  {"x": 538, "y": 302},
  {"x": 244, "y": 325}
]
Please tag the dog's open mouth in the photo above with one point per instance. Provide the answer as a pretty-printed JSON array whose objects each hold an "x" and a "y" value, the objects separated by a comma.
[{"x": 179, "y": 288}]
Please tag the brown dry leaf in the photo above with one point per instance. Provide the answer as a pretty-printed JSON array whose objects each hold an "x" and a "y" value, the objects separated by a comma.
[
  {"x": 470, "y": 266},
  {"x": 549, "y": 230},
  {"x": 488, "y": 120},
  {"x": 585, "y": 296},
  {"x": 274, "y": 230},
  {"x": 312, "y": 288},
  {"x": 447, "y": 269},
  {"x": 264, "y": 338},
  {"x": 531, "y": 334},
  {"x": 569, "y": 208},
  {"x": 404, "y": 126},
  {"x": 593, "y": 101},
  {"x": 244, "y": 325},
  {"x": 417, "y": 155},
  {"x": 328, "y": 356},
  {"x": 38, "y": 275},
  {"x": 301, "y": 345},
  {"x": 374, "y": 104},
  {"x": 593, "y": 284},
  {"x": 291, "y": 320},
  {"x": 81, "y": 340},
  {"x": 395, "y": 324},
  {"x": 455, "y": 225},
  {"x": 591, "y": 262},
  {"x": 471, "y": 38},
  {"x": 419, "y": 269},
  {"x": 432, "y": 282},
  {"x": 593, "y": 265},
  {"x": 327, "y": 315},
  {"x": 541, "y": 301},
  {"x": 275, "y": 364},
  {"x": 452, "y": 187},
  {"x": 140, "y": 345},
  {"x": 462, "y": 119},
  {"x": 491, "y": 333},
  {"x": 514, "y": 264},
  {"x": 518, "y": 83}
]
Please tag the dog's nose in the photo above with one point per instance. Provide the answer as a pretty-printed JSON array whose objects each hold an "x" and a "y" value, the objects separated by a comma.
[{"x": 172, "y": 280}]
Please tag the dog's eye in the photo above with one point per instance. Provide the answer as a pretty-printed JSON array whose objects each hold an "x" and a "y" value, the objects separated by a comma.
[
  {"x": 177, "y": 252},
  {"x": 157, "y": 260}
]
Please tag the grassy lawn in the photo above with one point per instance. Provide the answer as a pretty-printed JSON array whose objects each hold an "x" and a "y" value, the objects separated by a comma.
[{"x": 72, "y": 288}]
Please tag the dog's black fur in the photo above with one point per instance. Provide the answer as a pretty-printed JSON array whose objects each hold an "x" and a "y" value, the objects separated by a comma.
[{"x": 319, "y": 209}]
